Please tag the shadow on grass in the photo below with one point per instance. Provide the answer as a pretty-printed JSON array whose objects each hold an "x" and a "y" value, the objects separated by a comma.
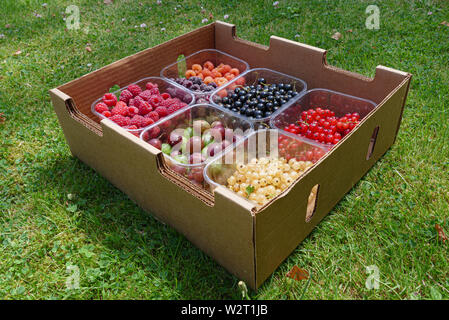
[{"x": 133, "y": 239}]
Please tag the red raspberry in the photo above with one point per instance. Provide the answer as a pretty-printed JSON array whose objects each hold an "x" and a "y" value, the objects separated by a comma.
[
  {"x": 145, "y": 95},
  {"x": 165, "y": 103},
  {"x": 161, "y": 111},
  {"x": 153, "y": 115},
  {"x": 101, "y": 107},
  {"x": 107, "y": 113},
  {"x": 171, "y": 109},
  {"x": 147, "y": 122},
  {"x": 134, "y": 89},
  {"x": 136, "y": 102},
  {"x": 132, "y": 111},
  {"x": 132, "y": 127},
  {"x": 155, "y": 91},
  {"x": 155, "y": 101},
  {"x": 165, "y": 96},
  {"x": 120, "y": 109},
  {"x": 150, "y": 85},
  {"x": 179, "y": 105},
  {"x": 137, "y": 121},
  {"x": 125, "y": 96},
  {"x": 110, "y": 99},
  {"x": 120, "y": 120},
  {"x": 145, "y": 108}
]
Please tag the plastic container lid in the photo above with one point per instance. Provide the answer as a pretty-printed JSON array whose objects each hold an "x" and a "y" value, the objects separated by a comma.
[
  {"x": 178, "y": 69},
  {"x": 251, "y": 77},
  {"x": 270, "y": 143},
  {"x": 175, "y": 91},
  {"x": 182, "y": 125},
  {"x": 337, "y": 102}
]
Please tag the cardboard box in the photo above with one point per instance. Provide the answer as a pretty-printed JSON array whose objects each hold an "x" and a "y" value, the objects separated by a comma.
[{"x": 249, "y": 244}]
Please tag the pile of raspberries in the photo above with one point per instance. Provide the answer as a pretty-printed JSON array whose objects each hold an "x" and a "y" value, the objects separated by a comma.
[{"x": 137, "y": 109}]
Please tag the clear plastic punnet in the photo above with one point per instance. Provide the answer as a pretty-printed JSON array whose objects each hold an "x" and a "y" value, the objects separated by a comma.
[
  {"x": 164, "y": 86},
  {"x": 193, "y": 136},
  {"x": 339, "y": 103},
  {"x": 177, "y": 71},
  {"x": 274, "y": 100},
  {"x": 263, "y": 165}
]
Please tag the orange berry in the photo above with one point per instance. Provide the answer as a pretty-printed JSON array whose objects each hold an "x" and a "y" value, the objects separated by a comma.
[
  {"x": 208, "y": 80},
  {"x": 190, "y": 73},
  {"x": 235, "y": 71},
  {"x": 200, "y": 75},
  {"x": 208, "y": 65},
  {"x": 216, "y": 73},
  {"x": 229, "y": 76},
  {"x": 226, "y": 68},
  {"x": 197, "y": 67},
  {"x": 240, "y": 81},
  {"x": 220, "y": 81},
  {"x": 222, "y": 93},
  {"x": 206, "y": 73}
]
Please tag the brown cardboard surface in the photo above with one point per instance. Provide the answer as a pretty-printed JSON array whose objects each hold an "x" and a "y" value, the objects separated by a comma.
[
  {"x": 281, "y": 225},
  {"x": 249, "y": 244},
  {"x": 205, "y": 226}
]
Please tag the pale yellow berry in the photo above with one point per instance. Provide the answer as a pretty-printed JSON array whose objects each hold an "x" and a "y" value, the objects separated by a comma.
[
  {"x": 241, "y": 168},
  {"x": 231, "y": 180},
  {"x": 276, "y": 181},
  {"x": 241, "y": 193},
  {"x": 263, "y": 182},
  {"x": 256, "y": 184},
  {"x": 236, "y": 187},
  {"x": 295, "y": 166},
  {"x": 243, "y": 186}
]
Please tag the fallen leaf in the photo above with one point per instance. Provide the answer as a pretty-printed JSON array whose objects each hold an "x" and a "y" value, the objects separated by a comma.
[
  {"x": 2, "y": 117},
  {"x": 349, "y": 30},
  {"x": 441, "y": 235},
  {"x": 7, "y": 26},
  {"x": 298, "y": 274},
  {"x": 211, "y": 16},
  {"x": 107, "y": 1},
  {"x": 17, "y": 52},
  {"x": 336, "y": 36},
  {"x": 445, "y": 23},
  {"x": 88, "y": 49}
]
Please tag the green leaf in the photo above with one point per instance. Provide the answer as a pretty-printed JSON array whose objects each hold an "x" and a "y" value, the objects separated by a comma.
[
  {"x": 114, "y": 88},
  {"x": 249, "y": 189}
]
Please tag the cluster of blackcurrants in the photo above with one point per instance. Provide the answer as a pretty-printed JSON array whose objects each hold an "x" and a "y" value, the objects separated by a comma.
[
  {"x": 258, "y": 101},
  {"x": 195, "y": 84}
]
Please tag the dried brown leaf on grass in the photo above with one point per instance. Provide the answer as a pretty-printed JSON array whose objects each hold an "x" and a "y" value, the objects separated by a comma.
[
  {"x": 441, "y": 235},
  {"x": 298, "y": 274}
]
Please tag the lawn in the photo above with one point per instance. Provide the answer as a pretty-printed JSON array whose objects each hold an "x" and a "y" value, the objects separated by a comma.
[{"x": 56, "y": 213}]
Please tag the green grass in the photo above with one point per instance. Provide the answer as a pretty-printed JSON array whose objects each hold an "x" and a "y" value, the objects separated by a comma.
[{"x": 56, "y": 211}]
